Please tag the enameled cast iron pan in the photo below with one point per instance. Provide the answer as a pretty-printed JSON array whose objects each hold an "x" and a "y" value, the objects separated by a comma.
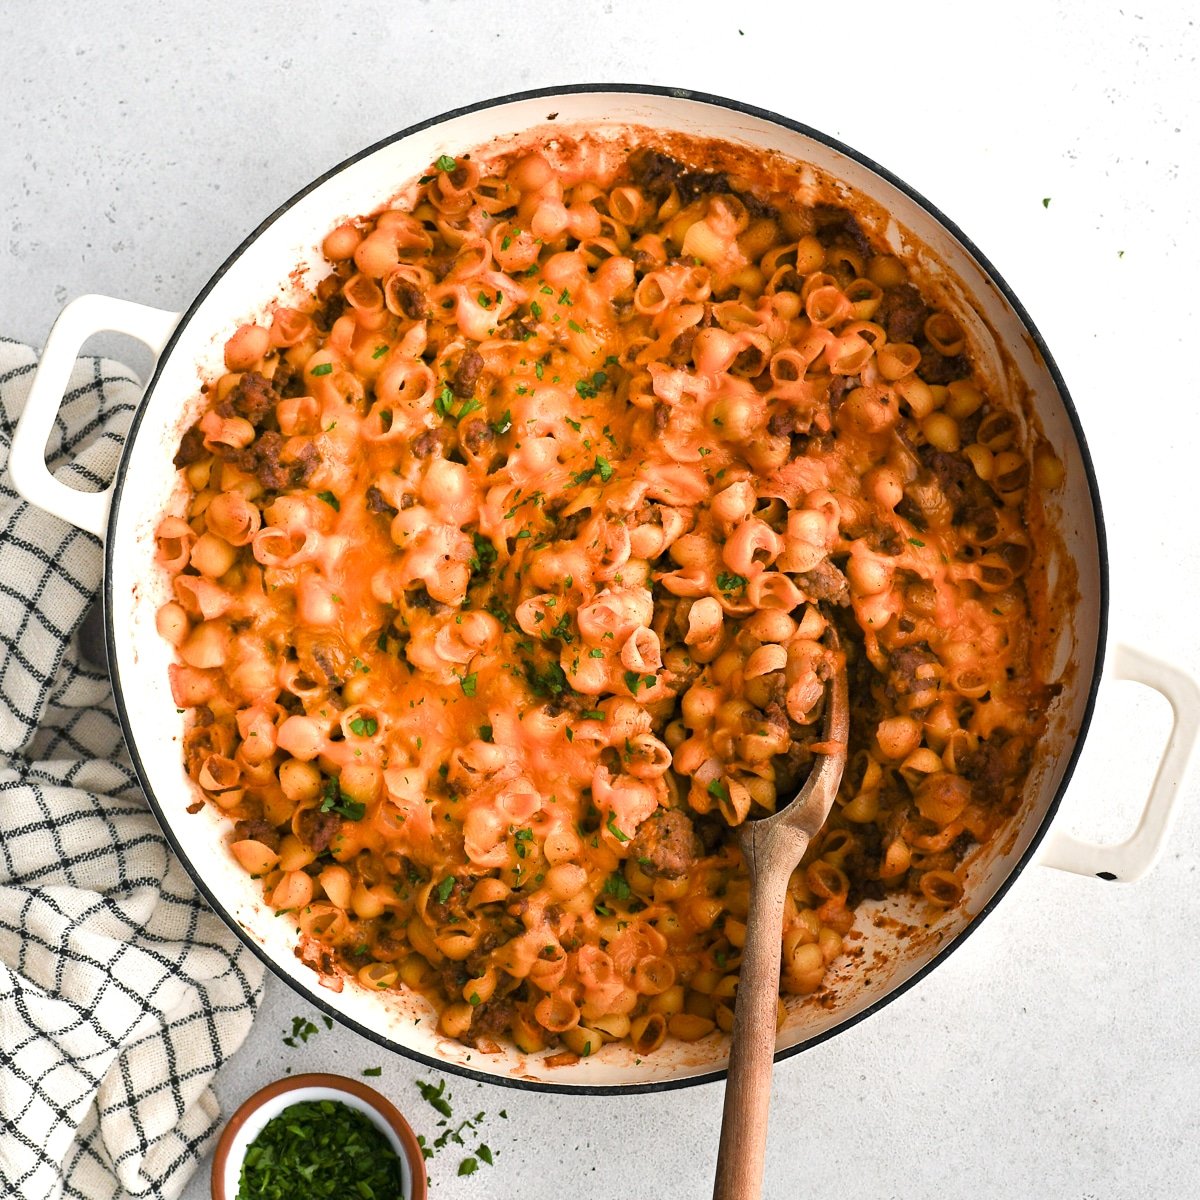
[{"x": 189, "y": 347}]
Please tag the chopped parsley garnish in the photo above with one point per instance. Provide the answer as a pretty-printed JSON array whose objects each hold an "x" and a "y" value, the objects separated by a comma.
[
  {"x": 331, "y": 500},
  {"x": 634, "y": 681},
  {"x": 322, "y": 369},
  {"x": 593, "y": 714},
  {"x": 364, "y": 726},
  {"x": 611, "y": 826},
  {"x": 588, "y": 389},
  {"x": 549, "y": 682},
  {"x": 485, "y": 733},
  {"x": 615, "y": 885},
  {"x": 468, "y": 683},
  {"x": 916, "y": 542},
  {"x": 504, "y": 424},
  {"x": 601, "y": 466},
  {"x": 718, "y": 790},
  {"x": 446, "y": 163},
  {"x": 728, "y": 582},
  {"x": 596, "y": 653},
  {"x": 443, "y": 404},
  {"x": 380, "y": 351},
  {"x": 443, "y": 891},
  {"x": 565, "y": 298},
  {"x": 336, "y": 801},
  {"x": 483, "y": 558}
]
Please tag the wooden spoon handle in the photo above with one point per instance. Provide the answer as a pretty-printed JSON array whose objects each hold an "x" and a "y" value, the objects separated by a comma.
[{"x": 748, "y": 1089}]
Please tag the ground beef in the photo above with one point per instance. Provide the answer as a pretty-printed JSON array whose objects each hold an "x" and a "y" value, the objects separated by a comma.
[
  {"x": 441, "y": 910},
  {"x": 258, "y": 831},
  {"x": 658, "y": 173},
  {"x": 324, "y": 658},
  {"x": 662, "y": 415},
  {"x": 516, "y": 329},
  {"x": 411, "y": 299},
  {"x": 998, "y": 760},
  {"x": 782, "y": 424},
  {"x": 825, "y": 582},
  {"x": 491, "y": 1020},
  {"x": 665, "y": 844},
  {"x": 712, "y": 830},
  {"x": 452, "y": 976},
  {"x": 287, "y": 381},
  {"x": 254, "y": 398},
  {"x": 191, "y": 448},
  {"x": 424, "y": 444},
  {"x": 317, "y": 829},
  {"x": 839, "y": 388},
  {"x": 952, "y": 471},
  {"x": 264, "y": 460},
  {"x": 905, "y": 664},
  {"x": 902, "y": 313},
  {"x": 420, "y": 598},
  {"x": 937, "y": 368},
  {"x": 476, "y": 434},
  {"x": 830, "y": 219},
  {"x": 884, "y": 538},
  {"x": 304, "y": 464},
  {"x": 680, "y": 354},
  {"x": 466, "y": 376},
  {"x": 643, "y": 262},
  {"x": 377, "y": 502}
]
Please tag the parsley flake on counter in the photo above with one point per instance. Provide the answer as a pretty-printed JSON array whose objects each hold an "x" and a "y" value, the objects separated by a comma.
[
  {"x": 1045, "y": 201},
  {"x": 372, "y": 1072},
  {"x": 302, "y": 1030}
]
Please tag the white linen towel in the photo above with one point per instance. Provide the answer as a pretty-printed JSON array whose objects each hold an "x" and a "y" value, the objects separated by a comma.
[{"x": 121, "y": 993}]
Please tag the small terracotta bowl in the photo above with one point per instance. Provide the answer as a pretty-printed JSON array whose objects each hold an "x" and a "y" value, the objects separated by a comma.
[{"x": 247, "y": 1123}]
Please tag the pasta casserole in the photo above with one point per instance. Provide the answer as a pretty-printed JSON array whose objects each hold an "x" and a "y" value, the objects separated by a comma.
[{"x": 502, "y": 589}]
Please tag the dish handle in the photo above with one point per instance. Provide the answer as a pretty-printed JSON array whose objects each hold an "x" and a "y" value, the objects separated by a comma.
[
  {"x": 27, "y": 457},
  {"x": 1128, "y": 860}
]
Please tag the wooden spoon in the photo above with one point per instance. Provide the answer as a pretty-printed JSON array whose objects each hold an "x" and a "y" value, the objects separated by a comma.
[{"x": 772, "y": 847}]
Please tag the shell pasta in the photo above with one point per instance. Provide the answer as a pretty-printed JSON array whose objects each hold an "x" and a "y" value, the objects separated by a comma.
[{"x": 503, "y": 589}]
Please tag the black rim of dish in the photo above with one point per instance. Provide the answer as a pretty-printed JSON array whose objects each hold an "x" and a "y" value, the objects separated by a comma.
[{"x": 311, "y": 992}]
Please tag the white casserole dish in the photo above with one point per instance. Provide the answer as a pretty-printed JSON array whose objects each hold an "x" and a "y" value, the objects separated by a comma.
[{"x": 189, "y": 347}]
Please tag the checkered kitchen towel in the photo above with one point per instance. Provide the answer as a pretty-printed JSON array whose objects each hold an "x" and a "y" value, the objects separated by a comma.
[{"x": 120, "y": 992}]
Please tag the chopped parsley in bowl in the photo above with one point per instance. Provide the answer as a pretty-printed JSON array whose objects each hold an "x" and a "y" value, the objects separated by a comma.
[{"x": 318, "y": 1136}]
